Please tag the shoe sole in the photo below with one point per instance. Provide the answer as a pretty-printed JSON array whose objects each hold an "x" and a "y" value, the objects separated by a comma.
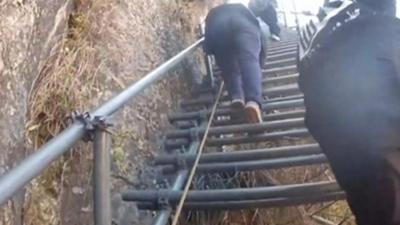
[
  {"x": 252, "y": 115},
  {"x": 237, "y": 106},
  {"x": 237, "y": 111}
]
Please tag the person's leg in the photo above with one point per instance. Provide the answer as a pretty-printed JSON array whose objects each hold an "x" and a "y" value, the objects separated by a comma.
[
  {"x": 230, "y": 73},
  {"x": 248, "y": 47},
  {"x": 218, "y": 41}
]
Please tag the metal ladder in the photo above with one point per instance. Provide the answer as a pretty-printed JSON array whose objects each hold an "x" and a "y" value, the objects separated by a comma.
[{"x": 283, "y": 114}]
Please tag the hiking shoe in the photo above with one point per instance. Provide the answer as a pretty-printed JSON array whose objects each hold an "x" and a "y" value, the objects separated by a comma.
[
  {"x": 253, "y": 112},
  {"x": 237, "y": 106},
  {"x": 275, "y": 37}
]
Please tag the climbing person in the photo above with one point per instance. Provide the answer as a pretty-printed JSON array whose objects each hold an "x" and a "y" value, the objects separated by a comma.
[
  {"x": 271, "y": 19},
  {"x": 233, "y": 36},
  {"x": 350, "y": 76}
]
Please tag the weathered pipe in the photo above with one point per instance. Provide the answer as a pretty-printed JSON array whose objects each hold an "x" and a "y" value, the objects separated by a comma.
[
  {"x": 268, "y": 117},
  {"x": 236, "y": 194},
  {"x": 245, "y": 155},
  {"x": 297, "y": 133},
  {"x": 252, "y": 204},
  {"x": 227, "y": 110},
  {"x": 269, "y": 92},
  {"x": 241, "y": 128},
  {"x": 243, "y": 166}
]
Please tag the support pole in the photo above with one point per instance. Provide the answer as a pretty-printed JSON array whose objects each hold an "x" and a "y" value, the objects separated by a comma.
[{"x": 101, "y": 178}]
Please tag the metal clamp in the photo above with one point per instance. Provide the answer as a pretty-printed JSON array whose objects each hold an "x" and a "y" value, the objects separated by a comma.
[
  {"x": 195, "y": 134},
  {"x": 203, "y": 115},
  {"x": 163, "y": 200},
  {"x": 92, "y": 123},
  {"x": 180, "y": 162}
]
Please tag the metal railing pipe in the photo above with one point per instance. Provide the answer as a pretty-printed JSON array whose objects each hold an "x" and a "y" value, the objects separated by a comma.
[
  {"x": 226, "y": 110},
  {"x": 34, "y": 164},
  {"x": 234, "y": 194},
  {"x": 241, "y": 128},
  {"x": 256, "y": 154},
  {"x": 253, "y": 165},
  {"x": 253, "y": 204},
  {"x": 118, "y": 101},
  {"x": 297, "y": 133}
]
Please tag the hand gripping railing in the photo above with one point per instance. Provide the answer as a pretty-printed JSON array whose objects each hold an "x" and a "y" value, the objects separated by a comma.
[{"x": 34, "y": 164}]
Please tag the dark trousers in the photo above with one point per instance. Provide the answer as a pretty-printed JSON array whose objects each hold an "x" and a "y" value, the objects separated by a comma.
[
  {"x": 270, "y": 17},
  {"x": 234, "y": 37},
  {"x": 352, "y": 94}
]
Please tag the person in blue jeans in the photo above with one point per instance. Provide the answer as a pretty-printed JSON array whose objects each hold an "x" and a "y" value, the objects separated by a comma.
[{"x": 233, "y": 36}]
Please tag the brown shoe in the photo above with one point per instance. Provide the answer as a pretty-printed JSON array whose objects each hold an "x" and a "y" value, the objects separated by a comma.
[{"x": 253, "y": 112}]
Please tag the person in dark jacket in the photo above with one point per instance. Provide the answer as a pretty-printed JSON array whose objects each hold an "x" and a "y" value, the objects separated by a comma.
[
  {"x": 233, "y": 36},
  {"x": 350, "y": 76}
]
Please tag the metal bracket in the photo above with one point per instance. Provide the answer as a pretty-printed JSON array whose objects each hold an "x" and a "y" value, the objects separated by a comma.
[
  {"x": 92, "y": 123},
  {"x": 180, "y": 162},
  {"x": 203, "y": 115},
  {"x": 163, "y": 200},
  {"x": 195, "y": 134}
]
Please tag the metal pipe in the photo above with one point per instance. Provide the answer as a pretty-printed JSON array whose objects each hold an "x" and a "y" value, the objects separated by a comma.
[
  {"x": 280, "y": 62},
  {"x": 282, "y": 50},
  {"x": 281, "y": 79},
  {"x": 227, "y": 110},
  {"x": 101, "y": 178},
  {"x": 269, "y": 92},
  {"x": 163, "y": 216},
  {"x": 187, "y": 124},
  {"x": 252, "y": 204},
  {"x": 256, "y": 154},
  {"x": 277, "y": 56},
  {"x": 282, "y": 47},
  {"x": 34, "y": 164},
  {"x": 261, "y": 127},
  {"x": 268, "y": 117},
  {"x": 207, "y": 61},
  {"x": 235, "y": 194},
  {"x": 121, "y": 99},
  {"x": 285, "y": 69},
  {"x": 243, "y": 166},
  {"x": 298, "y": 133}
]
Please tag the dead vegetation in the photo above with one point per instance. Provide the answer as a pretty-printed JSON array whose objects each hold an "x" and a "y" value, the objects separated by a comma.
[{"x": 107, "y": 46}]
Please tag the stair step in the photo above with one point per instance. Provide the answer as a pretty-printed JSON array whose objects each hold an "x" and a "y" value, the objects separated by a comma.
[
  {"x": 255, "y": 204},
  {"x": 295, "y": 133},
  {"x": 227, "y": 121},
  {"x": 231, "y": 129},
  {"x": 283, "y": 90},
  {"x": 242, "y": 155},
  {"x": 282, "y": 55},
  {"x": 253, "y": 165},
  {"x": 221, "y": 111},
  {"x": 278, "y": 70},
  {"x": 234, "y": 194}
]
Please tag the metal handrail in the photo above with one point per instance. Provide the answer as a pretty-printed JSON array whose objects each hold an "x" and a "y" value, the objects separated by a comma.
[{"x": 35, "y": 163}]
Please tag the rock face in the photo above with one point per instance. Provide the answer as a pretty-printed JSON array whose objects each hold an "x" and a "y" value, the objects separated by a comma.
[
  {"x": 121, "y": 41},
  {"x": 28, "y": 30}
]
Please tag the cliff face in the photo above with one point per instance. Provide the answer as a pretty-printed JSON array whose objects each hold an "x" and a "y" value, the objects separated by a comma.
[
  {"x": 29, "y": 31},
  {"x": 62, "y": 55}
]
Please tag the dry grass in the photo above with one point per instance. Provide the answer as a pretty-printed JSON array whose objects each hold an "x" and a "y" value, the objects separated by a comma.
[
  {"x": 111, "y": 43},
  {"x": 64, "y": 85}
]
